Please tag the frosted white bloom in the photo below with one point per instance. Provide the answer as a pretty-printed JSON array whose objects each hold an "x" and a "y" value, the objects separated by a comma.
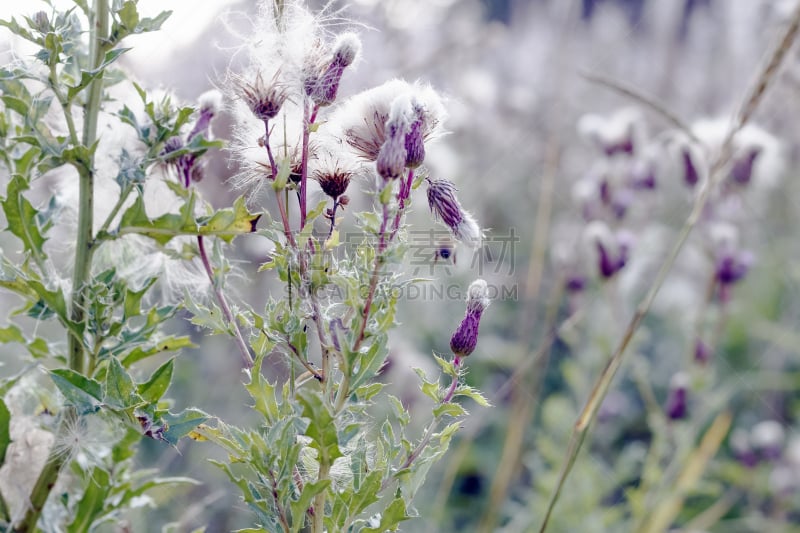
[
  {"x": 767, "y": 434},
  {"x": 758, "y": 156},
  {"x": 620, "y": 133},
  {"x": 210, "y": 100},
  {"x": 361, "y": 120}
]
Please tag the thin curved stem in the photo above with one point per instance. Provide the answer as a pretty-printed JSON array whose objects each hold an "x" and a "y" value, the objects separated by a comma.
[{"x": 247, "y": 358}]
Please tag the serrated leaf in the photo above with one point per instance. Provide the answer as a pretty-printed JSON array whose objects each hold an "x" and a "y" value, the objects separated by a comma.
[
  {"x": 154, "y": 388},
  {"x": 120, "y": 390},
  {"x": 447, "y": 433},
  {"x": 181, "y": 424},
  {"x": 11, "y": 334},
  {"x": 263, "y": 392},
  {"x": 83, "y": 393},
  {"x": 391, "y": 517},
  {"x": 170, "y": 344},
  {"x": 228, "y": 223},
  {"x": 322, "y": 426},
  {"x": 133, "y": 299},
  {"x": 449, "y": 409},
  {"x": 369, "y": 364},
  {"x": 225, "y": 223},
  {"x": 88, "y": 76},
  {"x": 476, "y": 395},
  {"x": 152, "y": 23},
  {"x": 429, "y": 388},
  {"x": 21, "y": 216},
  {"x": 128, "y": 15}
]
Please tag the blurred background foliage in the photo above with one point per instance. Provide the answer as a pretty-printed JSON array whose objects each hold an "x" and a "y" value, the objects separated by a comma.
[{"x": 517, "y": 74}]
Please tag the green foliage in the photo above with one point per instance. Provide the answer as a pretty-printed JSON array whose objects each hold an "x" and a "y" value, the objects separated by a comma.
[{"x": 315, "y": 457}]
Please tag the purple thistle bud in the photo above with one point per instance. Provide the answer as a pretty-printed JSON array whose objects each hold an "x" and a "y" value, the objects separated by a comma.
[
  {"x": 605, "y": 191},
  {"x": 609, "y": 262},
  {"x": 575, "y": 283},
  {"x": 742, "y": 170},
  {"x": 323, "y": 89},
  {"x": 346, "y": 49},
  {"x": 210, "y": 103},
  {"x": 690, "y": 174},
  {"x": 391, "y": 161},
  {"x": 172, "y": 144},
  {"x": 465, "y": 338},
  {"x": 702, "y": 353},
  {"x": 415, "y": 138},
  {"x": 677, "y": 400},
  {"x": 326, "y": 87},
  {"x": 445, "y": 206},
  {"x": 732, "y": 267},
  {"x": 41, "y": 22}
]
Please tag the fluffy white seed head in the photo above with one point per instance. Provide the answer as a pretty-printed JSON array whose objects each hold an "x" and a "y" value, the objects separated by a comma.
[
  {"x": 361, "y": 119},
  {"x": 210, "y": 101},
  {"x": 347, "y": 48}
]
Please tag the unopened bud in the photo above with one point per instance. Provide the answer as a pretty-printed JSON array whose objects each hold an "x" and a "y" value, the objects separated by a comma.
[
  {"x": 415, "y": 138},
  {"x": 346, "y": 49},
  {"x": 172, "y": 144},
  {"x": 41, "y": 22},
  {"x": 742, "y": 170},
  {"x": 391, "y": 162},
  {"x": 465, "y": 338},
  {"x": 677, "y": 401},
  {"x": 691, "y": 174}
]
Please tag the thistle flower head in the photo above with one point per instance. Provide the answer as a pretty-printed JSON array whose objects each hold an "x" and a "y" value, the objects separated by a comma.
[
  {"x": 465, "y": 338},
  {"x": 612, "y": 249},
  {"x": 361, "y": 120},
  {"x": 445, "y": 207},
  {"x": 263, "y": 99},
  {"x": 333, "y": 180},
  {"x": 621, "y": 133},
  {"x": 391, "y": 161}
]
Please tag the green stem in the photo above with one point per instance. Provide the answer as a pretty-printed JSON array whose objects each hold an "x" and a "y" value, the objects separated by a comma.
[
  {"x": 83, "y": 259},
  {"x": 318, "y": 524}
]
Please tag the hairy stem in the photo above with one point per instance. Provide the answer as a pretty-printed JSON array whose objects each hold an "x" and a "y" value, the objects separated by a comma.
[
  {"x": 373, "y": 281},
  {"x": 287, "y": 230},
  {"x": 427, "y": 435},
  {"x": 83, "y": 256},
  {"x": 247, "y": 358},
  {"x": 318, "y": 524}
]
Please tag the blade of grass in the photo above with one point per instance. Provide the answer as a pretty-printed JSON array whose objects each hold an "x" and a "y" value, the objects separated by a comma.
[{"x": 691, "y": 473}]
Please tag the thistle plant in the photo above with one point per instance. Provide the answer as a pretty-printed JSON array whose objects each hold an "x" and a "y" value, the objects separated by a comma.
[{"x": 100, "y": 276}]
